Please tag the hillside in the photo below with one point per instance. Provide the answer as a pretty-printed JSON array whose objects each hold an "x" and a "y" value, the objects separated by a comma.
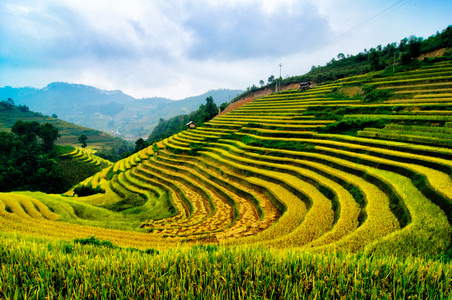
[
  {"x": 110, "y": 111},
  {"x": 105, "y": 144},
  {"x": 340, "y": 191},
  {"x": 349, "y": 181},
  {"x": 332, "y": 168},
  {"x": 405, "y": 55}
]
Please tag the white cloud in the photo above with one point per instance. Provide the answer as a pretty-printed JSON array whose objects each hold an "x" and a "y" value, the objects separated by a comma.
[{"x": 182, "y": 48}]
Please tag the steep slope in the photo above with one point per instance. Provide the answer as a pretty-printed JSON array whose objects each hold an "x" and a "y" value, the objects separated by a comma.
[{"x": 361, "y": 164}]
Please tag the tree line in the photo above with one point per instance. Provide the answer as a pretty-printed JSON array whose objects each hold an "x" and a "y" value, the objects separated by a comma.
[{"x": 28, "y": 158}]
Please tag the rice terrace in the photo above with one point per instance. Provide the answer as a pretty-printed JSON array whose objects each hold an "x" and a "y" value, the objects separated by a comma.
[{"x": 339, "y": 191}]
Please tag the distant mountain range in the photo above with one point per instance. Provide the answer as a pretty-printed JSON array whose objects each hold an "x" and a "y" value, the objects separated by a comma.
[{"x": 110, "y": 111}]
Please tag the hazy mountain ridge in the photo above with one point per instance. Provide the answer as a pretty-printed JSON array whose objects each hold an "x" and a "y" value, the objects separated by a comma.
[{"x": 110, "y": 111}]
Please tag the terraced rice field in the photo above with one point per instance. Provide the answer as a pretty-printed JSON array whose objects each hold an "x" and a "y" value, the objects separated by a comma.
[
  {"x": 269, "y": 174},
  {"x": 89, "y": 157}
]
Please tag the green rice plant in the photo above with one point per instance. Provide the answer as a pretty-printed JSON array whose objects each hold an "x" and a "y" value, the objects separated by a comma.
[
  {"x": 429, "y": 231},
  {"x": 412, "y": 117},
  {"x": 223, "y": 272},
  {"x": 436, "y": 79},
  {"x": 435, "y": 136},
  {"x": 434, "y": 129},
  {"x": 406, "y": 138}
]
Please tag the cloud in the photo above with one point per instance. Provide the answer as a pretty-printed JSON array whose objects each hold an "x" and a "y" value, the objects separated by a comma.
[
  {"x": 45, "y": 31},
  {"x": 179, "y": 48},
  {"x": 250, "y": 30}
]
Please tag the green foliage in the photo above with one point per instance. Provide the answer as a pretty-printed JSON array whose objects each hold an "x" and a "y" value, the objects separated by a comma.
[
  {"x": 140, "y": 144},
  {"x": 182, "y": 273},
  {"x": 376, "y": 59},
  {"x": 93, "y": 241},
  {"x": 372, "y": 95},
  {"x": 23, "y": 108},
  {"x": 107, "y": 146},
  {"x": 195, "y": 147},
  {"x": 8, "y": 104},
  {"x": 151, "y": 251},
  {"x": 25, "y": 164},
  {"x": 337, "y": 113},
  {"x": 48, "y": 133},
  {"x": 63, "y": 149},
  {"x": 86, "y": 190},
  {"x": 82, "y": 139},
  {"x": 351, "y": 126},
  {"x": 167, "y": 128},
  {"x": 204, "y": 248},
  {"x": 67, "y": 248},
  {"x": 75, "y": 171},
  {"x": 277, "y": 144}
]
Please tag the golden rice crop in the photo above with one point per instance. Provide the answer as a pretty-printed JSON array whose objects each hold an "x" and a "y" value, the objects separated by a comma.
[{"x": 71, "y": 270}]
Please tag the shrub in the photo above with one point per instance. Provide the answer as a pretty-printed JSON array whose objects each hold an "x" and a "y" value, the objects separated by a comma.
[
  {"x": 86, "y": 190},
  {"x": 371, "y": 95},
  {"x": 93, "y": 241},
  {"x": 350, "y": 126},
  {"x": 151, "y": 251}
]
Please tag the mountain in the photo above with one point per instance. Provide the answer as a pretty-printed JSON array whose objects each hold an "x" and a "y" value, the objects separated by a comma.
[{"x": 111, "y": 111}]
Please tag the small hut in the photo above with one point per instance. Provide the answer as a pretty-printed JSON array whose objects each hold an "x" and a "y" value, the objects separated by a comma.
[
  {"x": 305, "y": 85},
  {"x": 191, "y": 125}
]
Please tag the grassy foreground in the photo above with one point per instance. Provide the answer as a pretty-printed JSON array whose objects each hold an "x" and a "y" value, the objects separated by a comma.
[{"x": 44, "y": 269}]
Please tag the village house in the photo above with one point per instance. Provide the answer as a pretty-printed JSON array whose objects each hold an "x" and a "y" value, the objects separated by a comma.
[
  {"x": 191, "y": 125},
  {"x": 305, "y": 85}
]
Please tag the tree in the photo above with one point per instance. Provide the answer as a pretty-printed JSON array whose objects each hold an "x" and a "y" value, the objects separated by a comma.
[
  {"x": 413, "y": 49},
  {"x": 82, "y": 139},
  {"x": 7, "y": 104},
  {"x": 24, "y": 108},
  {"x": 10, "y": 102},
  {"x": 340, "y": 56},
  {"x": 261, "y": 82},
  {"x": 48, "y": 133},
  {"x": 211, "y": 108},
  {"x": 271, "y": 79},
  {"x": 414, "y": 46},
  {"x": 55, "y": 116},
  {"x": 26, "y": 166},
  {"x": 375, "y": 62},
  {"x": 140, "y": 144},
  {"x": 29, "y": 130},
  {"x": 223, "y": 106}
]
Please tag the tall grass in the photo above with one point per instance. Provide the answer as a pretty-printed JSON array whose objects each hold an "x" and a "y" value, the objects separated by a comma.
[{"x": 40, "y": 269}]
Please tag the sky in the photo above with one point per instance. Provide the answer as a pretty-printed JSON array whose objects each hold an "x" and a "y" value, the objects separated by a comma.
[{"x": 181, "y": 48}]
